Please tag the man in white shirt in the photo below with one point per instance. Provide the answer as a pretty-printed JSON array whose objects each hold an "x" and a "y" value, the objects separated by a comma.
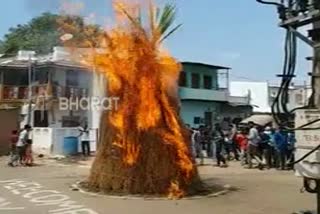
[
  {"x": 85, "y": 140},
  {"x": 22, "y": 142},
  {"x": 253, "y": 142}
]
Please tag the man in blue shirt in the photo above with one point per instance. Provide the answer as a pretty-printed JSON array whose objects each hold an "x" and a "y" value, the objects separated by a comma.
[
  {"x": 291, "y": 149},
  {"x": 281, "y": 146}
]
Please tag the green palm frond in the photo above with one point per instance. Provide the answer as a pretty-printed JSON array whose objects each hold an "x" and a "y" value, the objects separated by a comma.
[
  {"x": 170, "y": 32},
  {"x": 161, "y": 21},
  {"x": 166, "y": 20}
]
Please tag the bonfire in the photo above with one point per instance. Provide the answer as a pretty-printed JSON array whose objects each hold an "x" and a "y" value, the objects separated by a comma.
[{"x": 144, "y": 147}]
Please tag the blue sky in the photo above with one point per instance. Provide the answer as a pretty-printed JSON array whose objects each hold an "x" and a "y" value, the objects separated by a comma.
[{"x": 240, "y": 34}]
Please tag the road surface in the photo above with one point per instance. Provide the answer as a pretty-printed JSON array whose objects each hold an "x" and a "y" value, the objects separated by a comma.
[{"x": 46, "y": 189}]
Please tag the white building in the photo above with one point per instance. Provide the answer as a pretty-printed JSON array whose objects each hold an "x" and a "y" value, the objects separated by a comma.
[
  {"x": 52, "y": 77},
  {"x": 257, "y": 91},
  {"x": 262, "y": 94}
]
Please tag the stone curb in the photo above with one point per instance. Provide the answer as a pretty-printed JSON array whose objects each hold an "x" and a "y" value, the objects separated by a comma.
[{"x": 77, "y": 187}]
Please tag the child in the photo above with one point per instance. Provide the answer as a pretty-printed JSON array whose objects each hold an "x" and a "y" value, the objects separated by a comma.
[
  {"x": 28, "y": 155},
  {"x": 242, "y": 142},
  {"x": 13, "y": 146}
]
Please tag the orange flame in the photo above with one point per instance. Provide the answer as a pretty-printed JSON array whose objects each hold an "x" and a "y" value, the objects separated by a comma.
[
  {"x": 175, "y": 192},
  {"x": 144, "y": 77}
]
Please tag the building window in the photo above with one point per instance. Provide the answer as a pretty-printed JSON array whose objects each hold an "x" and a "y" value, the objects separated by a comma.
[
  {"x": 196, "y": 120},
  {"x": 70, "y": 121},
  {"x": 195, "y": 80},
  {"x": 72, "y": 78},
  {"x": 42, "y": 76},
  {"x": 207, "y": 82},
  {"x": 41, "y": 118},
  {"x": 183, "y": 79},
  {"x": 15, "y": 77}
]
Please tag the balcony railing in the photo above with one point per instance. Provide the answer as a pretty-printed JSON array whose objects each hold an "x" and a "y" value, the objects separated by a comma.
[
  {"x": 16, "y": 93},
  {"x": 203, "y": 94},
  {"x": 69, "y": 92}
]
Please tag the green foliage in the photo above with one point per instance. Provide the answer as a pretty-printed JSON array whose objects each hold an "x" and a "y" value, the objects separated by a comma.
[{"x": 41, "y": 34}]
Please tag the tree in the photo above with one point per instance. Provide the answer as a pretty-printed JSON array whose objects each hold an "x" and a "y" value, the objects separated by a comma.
[
  {"x": 144, "y": 147},
  {"x": 41, "y": 34}
]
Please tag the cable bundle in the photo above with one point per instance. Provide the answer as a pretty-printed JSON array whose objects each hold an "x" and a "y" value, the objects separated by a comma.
[{"x": 279, "y": 105}]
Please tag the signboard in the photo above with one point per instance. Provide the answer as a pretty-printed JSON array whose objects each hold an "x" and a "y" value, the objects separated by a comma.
[{"x": 307, "y": 140}]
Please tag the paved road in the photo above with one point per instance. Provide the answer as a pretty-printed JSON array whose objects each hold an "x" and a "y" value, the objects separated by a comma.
[{"x": 46, "y": 189}]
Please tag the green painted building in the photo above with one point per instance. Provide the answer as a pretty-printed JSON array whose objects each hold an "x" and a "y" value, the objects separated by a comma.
[{"x": 205, "y": 98}]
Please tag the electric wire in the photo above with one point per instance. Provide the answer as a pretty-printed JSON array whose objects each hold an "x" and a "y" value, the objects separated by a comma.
[
  {"x": 269, "y": 3},
  {"x": 279, "y": 105}
]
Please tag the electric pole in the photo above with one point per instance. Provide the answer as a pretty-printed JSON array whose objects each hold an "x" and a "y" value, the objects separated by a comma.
[
  {"x": 29, "y": 89},
  {"x": 293, "y": 15},
  {"x": 315, "y": 35}
]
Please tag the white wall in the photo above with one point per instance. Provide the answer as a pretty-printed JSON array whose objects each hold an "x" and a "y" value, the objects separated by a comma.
[
  {"x": 97, "y": 89},
  {"x": 259, "y": 92},
  {"x": 49, "y": 141},
  {"x": 42, "y": 140}
]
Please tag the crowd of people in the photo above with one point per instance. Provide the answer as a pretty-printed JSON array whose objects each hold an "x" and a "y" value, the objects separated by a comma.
[
  {"x": 21, "y": 147},
  {"x": 251, "y": 144}
]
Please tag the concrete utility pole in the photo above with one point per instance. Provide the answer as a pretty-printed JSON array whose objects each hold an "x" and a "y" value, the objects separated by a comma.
[
  {"x": 295, "y": 14},
  {"x": 29, "y": 89},
  {"x": 315, "y": 34}
]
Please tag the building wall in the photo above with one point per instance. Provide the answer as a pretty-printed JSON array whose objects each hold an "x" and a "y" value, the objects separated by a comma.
[
  {"x": 190, "y": 68},
  {"x": 298, "y": 96},
  {"x": 191, "y": 109},
  {"x": 9, "y": 121},
  {"x": 228, "y": 111},
  {"x": 258, "y": 92},
  {"x": 59, "y": 76},
  {"x": 98, "y": 89}
]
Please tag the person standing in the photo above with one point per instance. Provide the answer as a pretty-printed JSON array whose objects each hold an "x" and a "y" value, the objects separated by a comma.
[
  {"x": 13, "y": 146},
  {"x": 85, "y": 140},
  {"x": 218, "y": 139},
  {"x": 290, "y": 150},
  {"x": 269, "y": 147},
  {"x": 28, "y": 153},
  {"x": 194, "y": 142},
  {"x": 242, "y": 142},
  {"x": 22, "y": 142},
  {"x": 201, "y": 144},
  {"x": 281, "y": 148},
  {"x": 232, "y": 139},
  {"x": 253, "y": 142},
  {"x": 209, "y": 144}
]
